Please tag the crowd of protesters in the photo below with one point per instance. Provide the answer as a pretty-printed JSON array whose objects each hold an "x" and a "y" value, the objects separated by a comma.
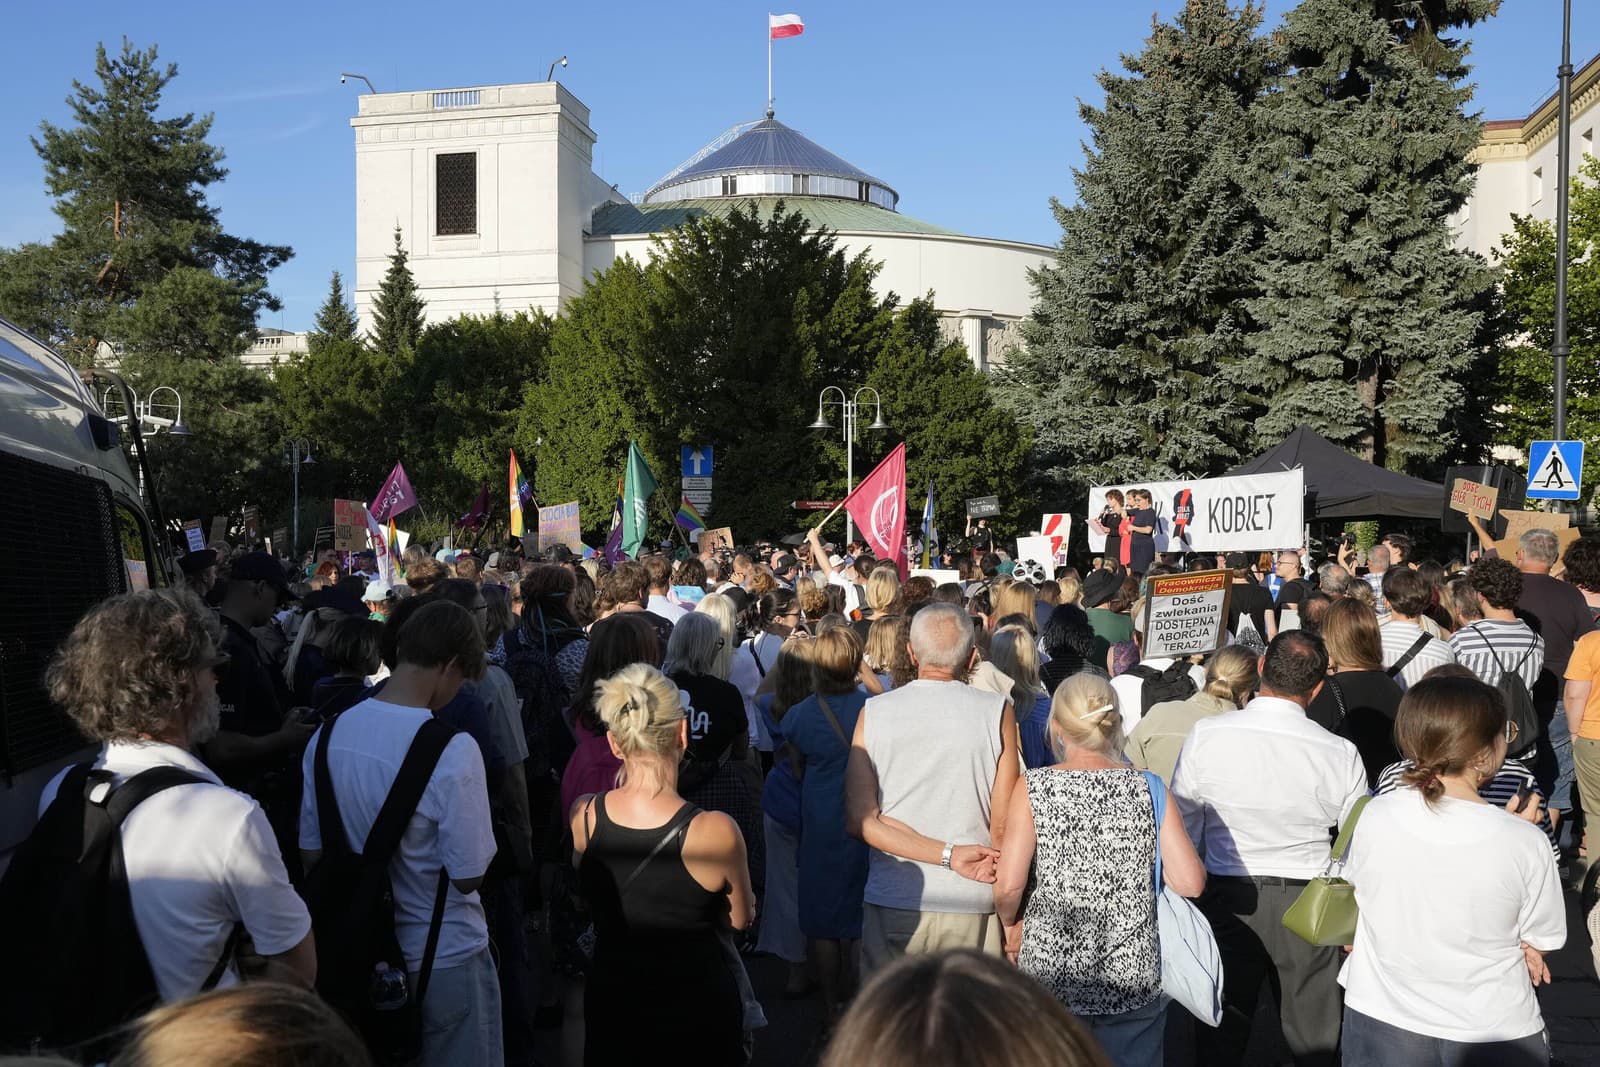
[{"x": 939, "y": 804}]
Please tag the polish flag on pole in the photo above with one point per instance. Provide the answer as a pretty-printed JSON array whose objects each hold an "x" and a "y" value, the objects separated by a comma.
[{"x": 785, "y": 26}]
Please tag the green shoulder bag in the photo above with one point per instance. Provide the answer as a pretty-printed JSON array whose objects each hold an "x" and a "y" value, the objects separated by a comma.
[{"x": 1325, "y": 911}]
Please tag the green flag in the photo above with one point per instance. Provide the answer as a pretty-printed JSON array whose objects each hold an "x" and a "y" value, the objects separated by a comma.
[{"x": 638, "y": 484}]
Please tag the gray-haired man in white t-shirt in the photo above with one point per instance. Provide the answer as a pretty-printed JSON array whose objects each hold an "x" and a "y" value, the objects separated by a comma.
[{"x": 929, "y": 763}]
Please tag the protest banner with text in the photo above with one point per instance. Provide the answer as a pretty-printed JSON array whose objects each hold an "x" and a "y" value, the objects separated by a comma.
[
  {"x": 349, "y": 525},
  {"x": 558, "y": 525},
  {"x": 1474, "y": 498},
  {"x": 1250, "y": 512},
  {"x": 1186, "y": 614}
]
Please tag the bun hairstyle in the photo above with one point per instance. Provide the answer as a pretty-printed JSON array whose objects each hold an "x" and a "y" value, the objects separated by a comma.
[
  {"x": 1085, "y": 713},
  {"x": 1445, "y": 724},
  {"x": 1232, "y": 675},
  {"x": 641, "y": 708}
]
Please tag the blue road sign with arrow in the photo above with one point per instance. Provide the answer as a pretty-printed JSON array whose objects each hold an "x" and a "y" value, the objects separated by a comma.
[
  {"x": 697, "y": 461},
  {"x": 1555, "y": 470}
]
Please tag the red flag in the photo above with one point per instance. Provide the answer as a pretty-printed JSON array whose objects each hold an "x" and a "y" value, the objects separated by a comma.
[{"x": 878, "y": 506}]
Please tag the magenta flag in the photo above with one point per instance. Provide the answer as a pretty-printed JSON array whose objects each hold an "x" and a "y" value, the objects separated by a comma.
[
  {"x": 878, "y": 505},
  {"x": 480, "y": 510},
  {"x": 395, "y": 496}
]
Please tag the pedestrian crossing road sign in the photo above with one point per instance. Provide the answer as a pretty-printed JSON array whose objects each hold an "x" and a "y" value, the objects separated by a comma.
[{"x": 1555, "y": 470}]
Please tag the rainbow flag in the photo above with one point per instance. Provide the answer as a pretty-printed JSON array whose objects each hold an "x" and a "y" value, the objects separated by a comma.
[
  {"x": 394, "y": 544},
  {"x": 520, "y": 495},
  {"x": 688, "y": 517}
]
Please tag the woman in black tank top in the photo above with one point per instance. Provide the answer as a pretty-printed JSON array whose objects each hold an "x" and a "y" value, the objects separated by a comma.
[{"x": 663, "y": 979}]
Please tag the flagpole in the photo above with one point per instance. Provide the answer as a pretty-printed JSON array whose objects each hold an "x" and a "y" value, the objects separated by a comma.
[{"x": 769, "y": 64}]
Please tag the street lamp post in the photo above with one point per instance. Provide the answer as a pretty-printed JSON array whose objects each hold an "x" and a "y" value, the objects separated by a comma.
[
  {"x": 851, "y": 407},
  {"x": 299, "y": 455},
  {"x": 1559, "y": 347},
  {"x": 155, "y": 411}
]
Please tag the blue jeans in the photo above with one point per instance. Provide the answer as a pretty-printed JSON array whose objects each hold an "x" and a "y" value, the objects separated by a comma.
[
  {"x": 1131, "y": 1038},
  {"x": 461, "y": 1015},
  {"x": 1560, "y": 738},
  {"x": 1370, "y": 1043}
]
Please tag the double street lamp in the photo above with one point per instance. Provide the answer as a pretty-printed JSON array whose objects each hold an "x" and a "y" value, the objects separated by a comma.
[
  {"x": 851, "y": 408},
  {"x": 298, "y": 453}
]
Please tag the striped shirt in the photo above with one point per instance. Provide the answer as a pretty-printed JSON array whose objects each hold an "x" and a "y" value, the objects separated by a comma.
[
  {"x": 1511, "y": 777},
  {"x": 1398, "y": 637},
  {"x": 1487, "y": 646}
]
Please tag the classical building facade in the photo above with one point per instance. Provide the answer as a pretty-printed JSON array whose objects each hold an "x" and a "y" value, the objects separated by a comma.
[
  {"x": 498, "y": 206},
  {"x": 1516, "y": 161}
]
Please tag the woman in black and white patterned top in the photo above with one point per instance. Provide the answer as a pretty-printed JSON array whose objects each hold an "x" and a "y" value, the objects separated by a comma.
[{"x": 1081, "y": 842}]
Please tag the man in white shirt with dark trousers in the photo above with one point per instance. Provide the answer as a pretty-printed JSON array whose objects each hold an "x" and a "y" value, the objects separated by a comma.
[{"x": 1262, "y": 790}]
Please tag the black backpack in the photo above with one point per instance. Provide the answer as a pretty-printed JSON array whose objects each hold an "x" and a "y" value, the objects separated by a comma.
[
  {"x": 1174, "y": 683},
  {"x": 78, "y": 970},
  {"x": 351, "y": 898},
  {"x": 1518, "y": 700}
]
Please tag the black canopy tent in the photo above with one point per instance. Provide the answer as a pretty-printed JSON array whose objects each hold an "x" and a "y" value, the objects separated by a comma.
[{"x": 1341, "y": 486}]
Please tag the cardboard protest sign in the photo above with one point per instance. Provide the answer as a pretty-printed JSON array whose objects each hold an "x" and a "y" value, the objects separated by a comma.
[
  {"x": 252, "y": 525},
  {"x": 349, "y": 525},
  {"x": 219, "y": 528},
  {"x": 1520, "y": 522},
  {"x": 1248, "y": 512},
  {"x": 1474, "y": 498},
  {"x": 558, "y": 525},
  {"x": 138, "y": 575},
  {"x": 193, "y": 535},
  {"x": 721, "y": 537},
  {"x": 280, "y": 537},
  {"x": 1039, "y": 551},
  {"x": 983, "y": 507},
  {"x": 1186, "y": 614}
]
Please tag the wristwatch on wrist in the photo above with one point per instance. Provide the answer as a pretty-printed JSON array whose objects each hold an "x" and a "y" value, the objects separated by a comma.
[{"x": 944, "y": 859}]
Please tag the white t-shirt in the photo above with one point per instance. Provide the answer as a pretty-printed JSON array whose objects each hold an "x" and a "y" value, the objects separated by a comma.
[
  {"x": 668, "y": 609},
  {"x": 746, "y": 676},
  {"x": 1130, "y": 691},
  {"x": 450, "y": 829},
  {"x": 1445, "y": 895},
  {"x": 200, "y": 858}
]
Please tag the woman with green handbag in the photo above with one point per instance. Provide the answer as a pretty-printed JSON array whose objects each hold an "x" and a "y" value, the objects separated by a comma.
[{"x": 1457, "y": 898}]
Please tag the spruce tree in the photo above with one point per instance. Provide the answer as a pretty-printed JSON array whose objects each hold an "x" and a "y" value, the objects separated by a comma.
[
  {"x": 1135, "y": 362},
  {"x": 397, "y": 313},
  {"x": 1374, "y": 329},
  {"x": 336, "y": 320}
]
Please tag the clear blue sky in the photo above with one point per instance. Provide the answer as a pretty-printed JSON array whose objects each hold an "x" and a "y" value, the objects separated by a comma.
[{"x": 968, "y": 109}]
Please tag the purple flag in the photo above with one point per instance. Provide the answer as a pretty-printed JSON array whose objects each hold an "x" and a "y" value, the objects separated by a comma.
[
  {"x": 613, "y": 549},
  {"x": 480, "y": 510},
  {"x": 395, "y": 496}
]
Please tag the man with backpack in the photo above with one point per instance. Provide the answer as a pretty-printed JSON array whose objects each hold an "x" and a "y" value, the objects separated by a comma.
[
  {"x": 1153, "y": 681},
  {"x": 145, "y": 872},
  {"x": 396, "y": 837}
]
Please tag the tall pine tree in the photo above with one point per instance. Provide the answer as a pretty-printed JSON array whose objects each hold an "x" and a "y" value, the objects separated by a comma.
[
  {"x": 397, "y": 313},
  {"x": 1374, "y": 329},
  {"x": 1135, "y": 361},
  {"x": 336, "y": 320}
]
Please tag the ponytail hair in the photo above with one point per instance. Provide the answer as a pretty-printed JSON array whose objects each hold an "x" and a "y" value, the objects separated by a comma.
[
  {"x": 1443, "y": 725},
  {"x": 1232, "y": 675},
  {"x": 641, "y": 708}
]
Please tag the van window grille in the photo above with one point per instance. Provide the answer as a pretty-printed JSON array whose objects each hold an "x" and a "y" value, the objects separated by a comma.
[{"x": 61, "y": 559}]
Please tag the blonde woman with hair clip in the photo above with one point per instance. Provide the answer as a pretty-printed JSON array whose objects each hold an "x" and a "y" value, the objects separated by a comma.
[
  {"x": 1157, "y": 738},
  {"x": 665, "y": 881},
  {"x": 1084, "y": 832}
]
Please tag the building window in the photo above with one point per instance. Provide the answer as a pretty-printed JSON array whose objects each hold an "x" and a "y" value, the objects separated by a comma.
[
  {"x": 456, "y": 192},
  {"x": 1536, "y": 185},
  {"x": 729, "y": 185},
  {"x": 1588, "y": 143}
]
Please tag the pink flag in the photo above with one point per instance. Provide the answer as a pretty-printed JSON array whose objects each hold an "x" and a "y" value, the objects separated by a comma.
[
  {"x": 395, "y": 496},
  {"x": 878, "y": 506}
]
